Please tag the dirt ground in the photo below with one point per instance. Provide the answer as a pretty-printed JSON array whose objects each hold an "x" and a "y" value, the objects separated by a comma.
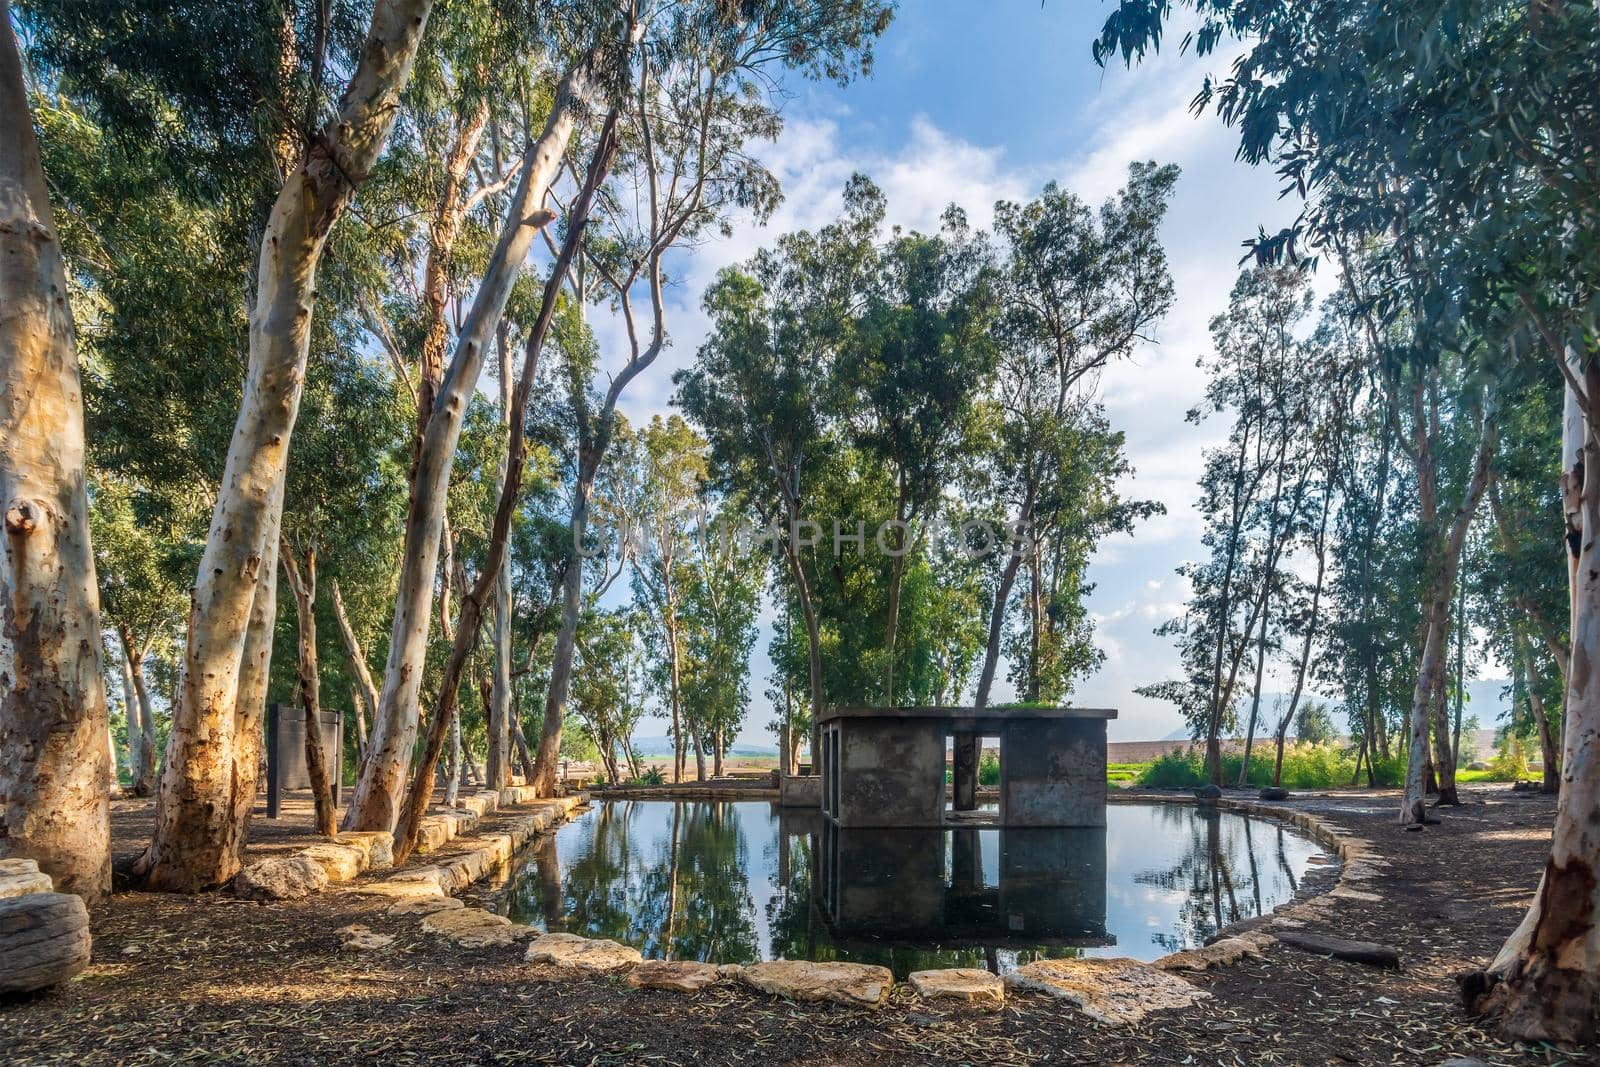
[{"x": 214, "y": 980}]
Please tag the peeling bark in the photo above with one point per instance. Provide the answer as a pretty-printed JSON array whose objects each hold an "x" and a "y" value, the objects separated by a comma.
[
  {"x": 375, "y": 804},
  {"x": 1545, "y": 983},
  {"x": 55, "y": 770},
  {"x": 208, "y": 786}
]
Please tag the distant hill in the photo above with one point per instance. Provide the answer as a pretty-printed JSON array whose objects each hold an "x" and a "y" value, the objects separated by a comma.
[{"x": 653, "y": 747}]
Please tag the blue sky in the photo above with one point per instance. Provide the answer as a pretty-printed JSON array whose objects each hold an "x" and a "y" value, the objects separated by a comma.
[{"x": 974, "y": 102}]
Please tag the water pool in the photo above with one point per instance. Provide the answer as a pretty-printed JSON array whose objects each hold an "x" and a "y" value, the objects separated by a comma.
[{"x": 740, "y": 881}]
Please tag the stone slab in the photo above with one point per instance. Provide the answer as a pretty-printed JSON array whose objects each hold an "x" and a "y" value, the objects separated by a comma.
[
  {"x": 856, "y": 985},
  {"x": 677, "y": 976},
  {"x": 597, "y": 956},
  {"x": 1111, "y": 990},
  {"x": 967, "y": 985}
]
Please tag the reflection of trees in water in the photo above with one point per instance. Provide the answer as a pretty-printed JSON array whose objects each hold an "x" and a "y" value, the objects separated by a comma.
[
  {"x": 1220, "y": 870},
  {"x": 683, "y": 895},
  {"x": 706, "y": 881}
]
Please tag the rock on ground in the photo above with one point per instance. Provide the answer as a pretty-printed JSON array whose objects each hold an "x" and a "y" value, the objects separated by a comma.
[
  {"x": 966, "y": 984},
  {"x": 359, "y": 938},
  {"x": 377, "y": 844},
  {"x": 19, "y": 877},
  {"x": 474, "y": 927},
  {"x": 1115, "y": 990},
  {"x": 425, "y": 905},
  {"x": 343, "y": 863},
  {"x": 855, "y": 984},
  {"x": 1218, "y": 953},
  {"x": 44, "y": 940},
  {"x": 678, "y": 976},
  {"x": 599, "y": 956},
  {"x": 285, "y": 878}
]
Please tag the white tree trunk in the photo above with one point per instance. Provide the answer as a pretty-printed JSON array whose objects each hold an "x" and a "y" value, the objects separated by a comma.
[
  {"x": 375, "y": 803},
  {"x": 54, "y": 767},
  {"x": 208, "y": 784},
  {"x": 365, "y": 691},
  {"x": 1545, "y": 982}
]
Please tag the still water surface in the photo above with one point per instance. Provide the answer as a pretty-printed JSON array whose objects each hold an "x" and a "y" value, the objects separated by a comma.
[{"x": 735, "y": 882}]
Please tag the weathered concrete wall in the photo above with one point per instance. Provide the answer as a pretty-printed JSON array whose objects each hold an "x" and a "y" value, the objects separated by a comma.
[
  {"x": 1053, "y": 772},
  {"x": 801, "y": 792},
  {"x": 891, "y": 773}
]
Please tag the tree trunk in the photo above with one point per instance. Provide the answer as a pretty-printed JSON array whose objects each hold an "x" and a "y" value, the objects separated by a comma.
[
  {"x": 498, "y": 763},
  {"x": 1547, "y": 744},
  {"x": 1255, "y": 699},
  {"x": 897, "y": 569},
  {"x": 524, "y": 757},
  {"x": 699, "y": 751},
  {"x": 1444, "y": 757},
  {"x": 1545, "y": 982},
  {"x": 717, "y": 744},
  {"x": 366, "y": 693},
  {"x": 452, "y": 781},
  {"x": 55, "y": 774},
  {"x": 549, "y": 754},
  {"x": 965, "y": 750},
  {"x": 1445, "y": 558},
  {"x": 142, "y": 726},
  {"x": 375, "y": 801},
  {"x": 308, "y": 682},
  {"x": 204, "y": 803},
  {"x": 472, "y": 603}
]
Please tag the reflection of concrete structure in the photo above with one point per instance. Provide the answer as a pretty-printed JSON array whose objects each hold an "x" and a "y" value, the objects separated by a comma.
[
  {"x": 885, "y": 767},
  {"x": 1047, "y": 888}
]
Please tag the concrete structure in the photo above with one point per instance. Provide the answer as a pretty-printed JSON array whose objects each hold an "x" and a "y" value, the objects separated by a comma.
[
  {"x": 885, "y": 767},
  {"x": 286, "y": 752}
]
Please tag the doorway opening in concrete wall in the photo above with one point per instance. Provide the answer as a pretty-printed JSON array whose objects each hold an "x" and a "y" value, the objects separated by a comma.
[{"x": 975, "y": 764}]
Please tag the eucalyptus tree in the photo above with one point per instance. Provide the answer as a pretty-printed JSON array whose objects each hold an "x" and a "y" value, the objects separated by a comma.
[
  {"x": 762, "y": 387},
  {"x": 141, "y": 540},
  {"x": 918, "y": 358},
  {"x": 1338, "y": 389},
  {"x": 473, "y": 600},
  {"x": 55, "y": 769},
  {"x": 609, "y": 694},
  {"x": 601, "y": 54},
  {"x": 721, "y": 592},
  {"x": 1484, "y": 176},
  {"x": 207, "y": 790},
  {"x": 1520, "y": 597},
  {"x": 704, "y": 89},
  {"x": 672, "y": 458},
  {"x": 1257, "y": 374}
]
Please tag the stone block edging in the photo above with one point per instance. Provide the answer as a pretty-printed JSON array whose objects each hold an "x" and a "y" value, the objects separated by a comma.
[{"x": 1142, "y": 987}]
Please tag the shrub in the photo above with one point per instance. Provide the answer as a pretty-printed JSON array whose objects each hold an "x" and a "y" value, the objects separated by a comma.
[
  {"x": 1304, "y": 767},
  {"x": 1177, "y": 769},
  {"x": 1510, "y": 764},
  {"x": 989, "y": 769},
  {"x": 1389, "y": 773}
]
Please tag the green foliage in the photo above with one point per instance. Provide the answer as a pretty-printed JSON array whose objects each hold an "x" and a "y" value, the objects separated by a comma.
[
  {"x": 1305, "y": 766},
  {"x": 989, "y": 769},
  {"x": 1510, "y": 763}
]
